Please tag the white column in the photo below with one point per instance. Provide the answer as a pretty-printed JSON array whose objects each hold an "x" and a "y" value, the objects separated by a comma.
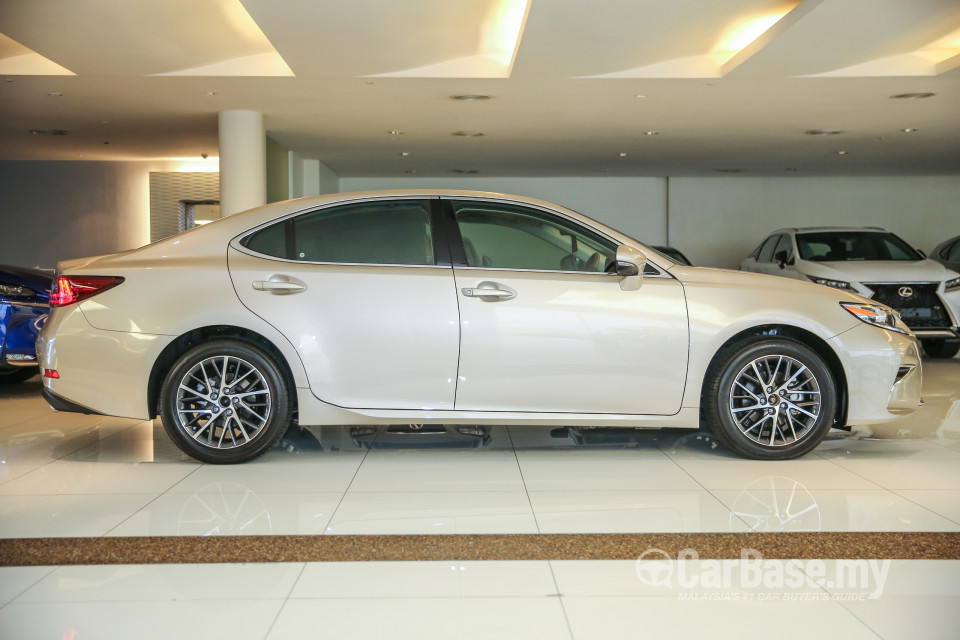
[{"x": 243, "y": 161}]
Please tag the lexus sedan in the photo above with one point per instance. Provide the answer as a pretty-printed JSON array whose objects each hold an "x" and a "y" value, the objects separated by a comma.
[
  {"x": 875, "y": 264},
  {"x": 463, "y": 308},
  {"x": 24, "y": 303}
]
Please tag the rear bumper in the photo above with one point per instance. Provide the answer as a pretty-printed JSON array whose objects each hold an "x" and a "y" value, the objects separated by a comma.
[{"x": 62, "y": 404}]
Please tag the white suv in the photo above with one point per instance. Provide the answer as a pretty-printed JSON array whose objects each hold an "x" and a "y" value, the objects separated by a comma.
[{"x": 876, "y": 264}]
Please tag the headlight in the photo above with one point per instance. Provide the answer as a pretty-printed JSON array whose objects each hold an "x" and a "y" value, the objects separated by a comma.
[
  {"x": 16, "y": 291},
  {"x": 877, "y": 315},
  {"x": 951, "y": 285},
  {"x": 836, "y": 284}
]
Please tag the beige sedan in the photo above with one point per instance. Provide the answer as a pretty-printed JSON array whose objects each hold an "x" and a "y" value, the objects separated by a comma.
[{"x": 452, "y": 307}]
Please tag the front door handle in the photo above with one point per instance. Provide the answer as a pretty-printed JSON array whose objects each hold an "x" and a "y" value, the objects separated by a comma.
[
  {"x": 277, "y": 286},
  {"x": 489, "y": 291}
]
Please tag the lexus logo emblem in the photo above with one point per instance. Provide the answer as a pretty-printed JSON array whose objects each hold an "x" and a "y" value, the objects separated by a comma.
[{"x": 905, "y": 292}]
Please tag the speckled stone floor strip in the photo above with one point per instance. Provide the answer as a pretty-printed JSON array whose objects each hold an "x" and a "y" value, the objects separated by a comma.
[{"x": 236, "y": 549}]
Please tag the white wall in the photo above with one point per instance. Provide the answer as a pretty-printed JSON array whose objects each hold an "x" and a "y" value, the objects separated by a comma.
[
  {"x": 310, "y": 177},
  {"x": 51, "y": 211},
  {"x": 718, "y": 221},
  {"x": 635, "y": 206}
]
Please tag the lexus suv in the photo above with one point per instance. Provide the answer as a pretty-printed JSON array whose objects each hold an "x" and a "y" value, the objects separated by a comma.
[{"x": 876, "y": 264}]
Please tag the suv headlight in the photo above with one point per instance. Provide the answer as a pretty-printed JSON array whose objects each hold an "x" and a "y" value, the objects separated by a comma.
[
  {"x": 951, "y": 285},
  {"x": 877, "y": 315},
  {"x": 836, "y": 284}
]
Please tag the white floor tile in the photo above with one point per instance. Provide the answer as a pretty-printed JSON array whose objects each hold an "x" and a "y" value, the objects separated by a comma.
[
  {"x": 438, "y": 470},
  {"x": 631, "y": 512},
  {"x": 945, "y": 502},
  {"x": 433, "y": 512},
  {"x": 16, "y": 580},
  {"x": 234, "y": 617},
  {"x": 906, "y": 474},
  {"x": 454, "y": 579},
  {"x": 229, "y": 509},
  {"x": 423, "y": 618},
  {"x": 784, "y": 505},
  {"x": 91, "y": 477},
  {"x": 910, "y": 617},
  {"x": 66, "y": 515},
  {"x": 316, "y": 472},
  {"x": 609, "y": 618},
  {"x": 736, "y": 474},
  {"x": 170, "y": 582},
  {"x": 594, "y": 471}
]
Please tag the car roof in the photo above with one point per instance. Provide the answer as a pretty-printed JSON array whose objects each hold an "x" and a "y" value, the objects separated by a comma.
[{"x": 829, "y": 229}]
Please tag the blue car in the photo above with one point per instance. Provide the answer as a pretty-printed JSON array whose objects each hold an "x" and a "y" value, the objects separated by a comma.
[{"x": 24, "y": 306}]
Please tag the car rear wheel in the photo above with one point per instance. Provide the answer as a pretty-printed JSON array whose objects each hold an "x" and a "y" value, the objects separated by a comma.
[
  {"x": 14, "y": 375},
  {"x": 770, "y": 398},
  {"x": 225, "y": 401},
  {"x": 941, "y": 348}
]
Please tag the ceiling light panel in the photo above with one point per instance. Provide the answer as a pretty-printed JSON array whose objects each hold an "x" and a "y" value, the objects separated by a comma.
[
  {"x": 147, "y": 37},
  {"x": 410, "y": 39}
]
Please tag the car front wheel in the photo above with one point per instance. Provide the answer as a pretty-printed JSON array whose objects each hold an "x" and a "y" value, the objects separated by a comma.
[
  {"x": 225, "y": 401},
  {"x": 941, "y": 347},
  {"x": 770, "y": 398}
]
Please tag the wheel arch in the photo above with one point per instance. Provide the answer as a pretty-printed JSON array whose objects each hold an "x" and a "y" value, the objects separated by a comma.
[
  {"x": 807, "y": 338},
  {"x": 192, "y": 338}
]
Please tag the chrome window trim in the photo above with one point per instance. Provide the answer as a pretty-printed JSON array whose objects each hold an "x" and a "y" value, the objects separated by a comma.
[
  {"x": 519, "y": 203},
  {"x": 236, "y": 241},
  {"x": 662, "y": 274}
]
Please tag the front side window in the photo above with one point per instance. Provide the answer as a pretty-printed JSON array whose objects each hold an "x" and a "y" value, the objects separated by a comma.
[
  {"x": 840, "y": 246},
  {"x": 766, "y": 252},
  {"x": 953, "y": 255},
  {"x": 391, "y": 232},
  {"x": 504, "y": 236}
]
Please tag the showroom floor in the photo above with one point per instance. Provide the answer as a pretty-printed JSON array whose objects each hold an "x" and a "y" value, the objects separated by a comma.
[{"x": 141, "y": 508}]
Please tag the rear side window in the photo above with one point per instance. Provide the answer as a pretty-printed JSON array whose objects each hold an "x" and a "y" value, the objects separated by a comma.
[
  {"x": 953, "y": 255},
  {"x": 393, "y": 232},
  {"x": 766, "y": 251}
]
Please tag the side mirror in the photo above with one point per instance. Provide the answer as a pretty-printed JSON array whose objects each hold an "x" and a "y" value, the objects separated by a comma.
[
  {"x": 780, "y": 258},
  {"x": 630, "y": 264}
]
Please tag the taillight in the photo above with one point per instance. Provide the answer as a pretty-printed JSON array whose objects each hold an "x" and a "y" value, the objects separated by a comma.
[{"x": 69, "y": 289}]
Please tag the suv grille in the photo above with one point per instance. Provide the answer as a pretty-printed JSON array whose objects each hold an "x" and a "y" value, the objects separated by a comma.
[{"x": 921, "y": 310}]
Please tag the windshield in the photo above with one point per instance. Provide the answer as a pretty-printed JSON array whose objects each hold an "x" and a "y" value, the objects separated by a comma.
[{"x": 838, "y": 246}]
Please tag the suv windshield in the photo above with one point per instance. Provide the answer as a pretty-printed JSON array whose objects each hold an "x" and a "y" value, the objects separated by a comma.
[{"x": 837, "y": 246}]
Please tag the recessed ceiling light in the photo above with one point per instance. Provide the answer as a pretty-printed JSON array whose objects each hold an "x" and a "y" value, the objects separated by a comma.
[
  {"x": 920, "y": 95},
  {"x": 651, "y": 133},
  {"x": 405, "y": 154},
  {"x": 410, "y": 171},
  {"x": 211, "y": 93},
  {"x": 639, "y": 96},
  {"x": 394, "y": 132},
  {"x": 841, "y": 153},
  {"x": 468, "y": 134},
  {"x": 823, "y": 132},
  {"x": 623, "y": 154},
  {"x": 105, "y": 122},
  {"x": 49, "y": 132},
  {"x": 464, "y": 171},
  {"x": 909, "y": 130},
  {"x": 791, "y": 169},
  {"x": 55, "y": 94},
  {"x": 8, "y": 79},
  {"x": 105, "y": 142},
  {"x": 471, "y": 96},
  {"x": 729, "y": 170}
]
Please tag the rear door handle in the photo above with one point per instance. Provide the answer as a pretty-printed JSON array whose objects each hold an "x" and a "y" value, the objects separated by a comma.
[
  {"x": 489, "y": 291},
  {"x": 278, "y": 286}
]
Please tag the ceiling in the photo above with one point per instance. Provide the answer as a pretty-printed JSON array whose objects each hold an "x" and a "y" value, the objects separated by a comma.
[{"x": 577, "y": 87}]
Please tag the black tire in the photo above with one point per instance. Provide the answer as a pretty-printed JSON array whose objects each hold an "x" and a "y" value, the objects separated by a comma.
[
  {"x": 254, "y": 401},
  {"x": 941, "y": 347},
  {"x": 13, "y": 375},
  {"x": 771, "y": 425}
]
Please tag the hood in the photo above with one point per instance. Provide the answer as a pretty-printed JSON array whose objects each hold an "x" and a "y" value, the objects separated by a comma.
[{"x": 877, "y": 270}]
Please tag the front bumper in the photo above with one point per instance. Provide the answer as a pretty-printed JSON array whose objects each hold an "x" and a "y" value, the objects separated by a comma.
[{"x": 884, "y": 373}]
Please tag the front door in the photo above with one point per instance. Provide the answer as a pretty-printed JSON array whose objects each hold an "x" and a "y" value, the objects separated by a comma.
[{"x": 545, "y": 326}]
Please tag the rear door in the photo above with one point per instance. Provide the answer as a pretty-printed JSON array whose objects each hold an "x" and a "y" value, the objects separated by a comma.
[{"x": 365, "y": 294}]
